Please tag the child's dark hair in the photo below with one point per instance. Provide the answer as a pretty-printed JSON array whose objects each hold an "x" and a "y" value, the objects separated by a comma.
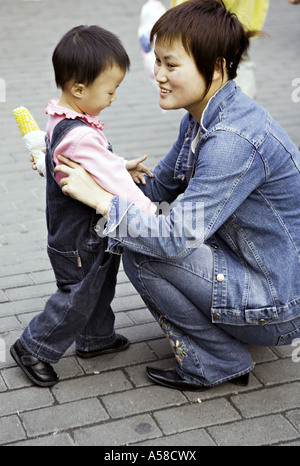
[
  {"x": 208, "y": 32},
  {"x": 86, "y": 51}
]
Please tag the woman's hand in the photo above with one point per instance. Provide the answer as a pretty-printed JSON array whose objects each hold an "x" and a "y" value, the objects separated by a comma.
[
  {"x": 137, "y": 170},
  {"x": 80, "y": 185}
]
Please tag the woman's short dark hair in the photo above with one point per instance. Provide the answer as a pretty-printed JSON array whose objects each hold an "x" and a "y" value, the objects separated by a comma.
[
  {"x": 208, "y": 32},
  {"x": 86, "y": 51}
]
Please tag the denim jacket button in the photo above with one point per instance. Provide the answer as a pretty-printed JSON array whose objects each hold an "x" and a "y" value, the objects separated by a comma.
[
  {"x": 217, "y": 316},
  {"x": 220, "y": 278},
  {"x": 262, "y": 322}
]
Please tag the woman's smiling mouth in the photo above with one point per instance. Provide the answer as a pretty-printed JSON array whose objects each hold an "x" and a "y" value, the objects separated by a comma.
[{"x": 164, "y": 92}]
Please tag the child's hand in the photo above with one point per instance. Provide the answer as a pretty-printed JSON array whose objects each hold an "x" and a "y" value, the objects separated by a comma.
[
  {"x": 137, "y": 170},
  {"x": 34, "y": 167},
  {"x": 31, "y": 159}
]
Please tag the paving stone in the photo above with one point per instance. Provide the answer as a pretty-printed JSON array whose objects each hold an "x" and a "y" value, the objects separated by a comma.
[
  {"x": 3, "y": 297},
  {"x": 141, "y": 316},
  {"x": 192, "y": 438},
  {"x": 141, "y": 400},
  {"x": 265, "y": 430},
  {"x": 125, "y": 303},
  {"x": 11, "y": 430},
  {"x": 143, "y": 332},
  {"x": 63, "y": 417},
  {"x": 196, "y": 416},
  {"x": 268, "y": 400},
  {"x": 68, "y": 367},
  {"x": 294, "y": 417},
  {"x": 280, "y": 371},
  {"x": 15, "y": 280},
  {"x": 23, "y": 306},
  {"x": 136, "y": 353},
  {"x": 9, "y": 324},
  {"x": 118, "y": 433},
  {"x": 3, "y": 387},
  {"x": 55, "y": 440},
  {"x": 91, "y": 386},
  {"x": 45, "y": 276},
  {"x": 262, "y": 354},
  {"x": 122, "y": 320},
  {"x": 161, "y": 347},
  {"x": 29, "y": 292},
  {"x": 24, "y": 400}
]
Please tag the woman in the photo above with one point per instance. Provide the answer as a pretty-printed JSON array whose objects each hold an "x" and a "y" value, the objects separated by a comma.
[{"x": 221, "y": 267}]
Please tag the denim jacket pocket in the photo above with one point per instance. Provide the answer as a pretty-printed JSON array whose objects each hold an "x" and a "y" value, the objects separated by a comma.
[
  {"x": 261, "y": 316},
  {"x": 67, "y": 266}
]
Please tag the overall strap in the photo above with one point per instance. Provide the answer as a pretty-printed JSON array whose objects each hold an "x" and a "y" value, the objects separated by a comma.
[
  {"x": 59, "y": 132},
  {"x": 61, "y": 129}
]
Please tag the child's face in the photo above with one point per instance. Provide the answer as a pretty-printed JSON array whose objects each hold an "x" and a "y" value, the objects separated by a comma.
[
  {"x": 102, "y": 92},
  {"x": 181, "y": 84}
]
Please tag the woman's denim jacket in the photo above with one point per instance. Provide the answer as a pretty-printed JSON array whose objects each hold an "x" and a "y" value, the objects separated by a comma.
[{"x": 241, "y": 196}]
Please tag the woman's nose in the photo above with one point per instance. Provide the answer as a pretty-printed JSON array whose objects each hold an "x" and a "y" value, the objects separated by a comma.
[{"x": 160, "y": 75}]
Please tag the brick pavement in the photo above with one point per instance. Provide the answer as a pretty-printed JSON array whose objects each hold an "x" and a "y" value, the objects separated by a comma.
[{"x": 109, "y": 401}]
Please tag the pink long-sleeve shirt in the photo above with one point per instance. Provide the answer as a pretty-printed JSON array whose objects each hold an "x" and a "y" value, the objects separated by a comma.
[{"x": 88, "y": 146}]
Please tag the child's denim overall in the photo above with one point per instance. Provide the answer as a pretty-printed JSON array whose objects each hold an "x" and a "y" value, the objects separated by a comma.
[{"x": 80, "y": 310}]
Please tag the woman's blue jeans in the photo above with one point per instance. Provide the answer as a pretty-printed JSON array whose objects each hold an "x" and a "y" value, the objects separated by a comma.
[{"x": 178, "y": 294}]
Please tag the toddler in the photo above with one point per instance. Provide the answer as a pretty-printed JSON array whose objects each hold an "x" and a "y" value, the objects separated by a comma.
[{"x": 90, "y": 64}]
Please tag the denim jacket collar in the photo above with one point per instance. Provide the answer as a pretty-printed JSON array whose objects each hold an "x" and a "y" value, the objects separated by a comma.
[
  {"x": 185, "y": 164},
  {"x": 212, "y": 110}
]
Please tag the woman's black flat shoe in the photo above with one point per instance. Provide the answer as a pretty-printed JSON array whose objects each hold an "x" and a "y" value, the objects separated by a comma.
[
  {"x": 241, "y": 381},
  {"x": 169, "y": 378}
]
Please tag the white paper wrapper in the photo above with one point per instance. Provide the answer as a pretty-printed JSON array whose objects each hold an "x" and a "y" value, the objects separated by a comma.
[{"x": 35, "y": 142}]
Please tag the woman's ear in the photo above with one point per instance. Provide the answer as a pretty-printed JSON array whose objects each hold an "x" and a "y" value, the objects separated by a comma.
[
  {"x": 78, "y": 90},
  {"x": 220, "y": 69}
]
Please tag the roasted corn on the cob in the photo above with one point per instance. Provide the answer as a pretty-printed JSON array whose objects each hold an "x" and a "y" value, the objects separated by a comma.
[{"x": 33, "y": 137}]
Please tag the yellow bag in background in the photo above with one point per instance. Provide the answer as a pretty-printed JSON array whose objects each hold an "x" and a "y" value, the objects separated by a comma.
[{"x": 252, "y": 13}]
